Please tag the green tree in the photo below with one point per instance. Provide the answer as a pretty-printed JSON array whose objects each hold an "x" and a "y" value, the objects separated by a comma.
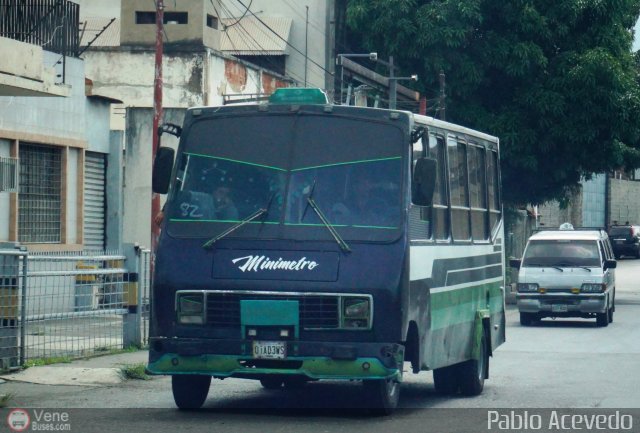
[{"x": 555, "y": 80}]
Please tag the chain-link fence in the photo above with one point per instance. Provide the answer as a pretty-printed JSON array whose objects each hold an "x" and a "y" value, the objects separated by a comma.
[
  {"x": 71, "y": 304},
  {"x": 75, "y": 304}
]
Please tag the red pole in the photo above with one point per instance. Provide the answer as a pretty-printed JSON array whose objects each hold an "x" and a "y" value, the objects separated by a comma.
[{"x": 157, "y": 118}]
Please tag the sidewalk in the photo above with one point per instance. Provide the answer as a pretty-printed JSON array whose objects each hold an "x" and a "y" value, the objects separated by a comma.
[{"x": 97, "y": 371}]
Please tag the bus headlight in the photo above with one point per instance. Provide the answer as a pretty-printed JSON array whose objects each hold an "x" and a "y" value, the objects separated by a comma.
[
  {"x": 527, "y": 287},
  {"x": 593, "y": 288},
  {"x": 190, "y": 309},
  {"x": 356, "y": 313}
]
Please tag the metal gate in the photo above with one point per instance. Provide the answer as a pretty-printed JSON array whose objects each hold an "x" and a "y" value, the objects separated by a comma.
[{"x": 69, "y": 305}]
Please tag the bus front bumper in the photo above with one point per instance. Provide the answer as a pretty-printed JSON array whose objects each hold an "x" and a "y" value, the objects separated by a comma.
[{"x": 315, "y": 360}]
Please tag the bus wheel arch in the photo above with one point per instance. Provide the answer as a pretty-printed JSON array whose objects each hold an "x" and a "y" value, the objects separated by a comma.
[
  {"x": 472, "y": 373},
  {"x": 413, "y": 347}
]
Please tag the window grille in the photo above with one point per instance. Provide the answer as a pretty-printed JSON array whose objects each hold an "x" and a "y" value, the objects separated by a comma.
[
  {"x": 8, "y": 174},
  {"x": 40, "y": 198}
]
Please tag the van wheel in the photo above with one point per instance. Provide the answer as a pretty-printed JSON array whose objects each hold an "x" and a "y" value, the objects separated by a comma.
[
  {"x": 528, "y": 319},
  {"x": 445, "y": 380},
  {"x": 473, "y": 372},
  {"x": 383, "y": 395},
  {"x": 602, "y": 319},
  {"x": 190, "y": 391}
]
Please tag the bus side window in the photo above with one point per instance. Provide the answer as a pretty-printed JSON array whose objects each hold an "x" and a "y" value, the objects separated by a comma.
[
  {"x": 459, "y": 188},
  {"x": 440, "y": 209},
  {"x": 478, "y": 193},
  {"x": 493, "y": 189},
  {"x": 419, "y": 226}
]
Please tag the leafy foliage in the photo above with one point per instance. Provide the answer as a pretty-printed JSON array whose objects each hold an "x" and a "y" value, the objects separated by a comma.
[{"x": 554, "y": 79}]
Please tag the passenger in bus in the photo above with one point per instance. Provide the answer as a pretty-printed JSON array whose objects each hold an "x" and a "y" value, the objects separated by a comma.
[
  {"x": 367, "y": 206},
  {"x": 225, "y": 209}
]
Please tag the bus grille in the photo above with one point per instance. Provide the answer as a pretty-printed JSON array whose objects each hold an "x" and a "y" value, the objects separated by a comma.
[{"x": 316, "y": 312}]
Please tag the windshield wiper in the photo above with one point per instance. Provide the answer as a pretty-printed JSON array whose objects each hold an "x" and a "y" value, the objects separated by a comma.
[
  {"x": 343, "y": 245},
  {"x": 311, "y": 202},
  {"x": 257, "y": 214}
]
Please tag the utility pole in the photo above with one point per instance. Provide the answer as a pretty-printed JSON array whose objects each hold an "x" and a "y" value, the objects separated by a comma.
[
  {"x": 393, "y": 86},
  {"x": 442, "y": 103},
  {"x": 306, "y": 47},
  {"x": 157, "y": 117}
]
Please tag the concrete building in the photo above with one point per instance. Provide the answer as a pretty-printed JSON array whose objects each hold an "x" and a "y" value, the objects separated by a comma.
[
  {"x": 215, "y": 52},
  {"x": 57, "y": 155}
]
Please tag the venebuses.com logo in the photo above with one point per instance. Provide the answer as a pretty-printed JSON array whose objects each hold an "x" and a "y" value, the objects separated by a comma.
[{"x": 18, "y": 420}]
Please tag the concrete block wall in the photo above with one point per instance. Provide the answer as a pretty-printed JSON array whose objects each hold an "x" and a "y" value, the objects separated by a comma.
[
  {"x": 552, "y": 215},
  {"x": 624, "y": 201}
]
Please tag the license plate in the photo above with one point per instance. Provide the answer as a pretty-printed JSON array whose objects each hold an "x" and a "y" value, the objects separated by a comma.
[
  {"x": 559, "y": 308},
  {"x": 269, "y": 349}
]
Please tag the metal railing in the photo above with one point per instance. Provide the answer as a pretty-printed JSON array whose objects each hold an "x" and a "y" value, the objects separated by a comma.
[
  {"x": 69, "y": 305},
  {"x": 51, "y": 24}
]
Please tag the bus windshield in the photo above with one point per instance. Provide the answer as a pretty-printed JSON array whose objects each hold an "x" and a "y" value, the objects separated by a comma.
[{"x": 352, "y": 169}]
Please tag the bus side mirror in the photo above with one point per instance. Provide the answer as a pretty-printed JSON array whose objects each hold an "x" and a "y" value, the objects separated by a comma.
[
  {"x": 515, "y": 263},
  {"x": 424, "y": 182},
  {"x": 610, "y": 264},
  {"x": 162, "y": 166}
]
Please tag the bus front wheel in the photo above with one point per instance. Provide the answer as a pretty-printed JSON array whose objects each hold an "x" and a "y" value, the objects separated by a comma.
[
  {"x": 384, "y": 394},
  {"x": 190, "y": 391}
]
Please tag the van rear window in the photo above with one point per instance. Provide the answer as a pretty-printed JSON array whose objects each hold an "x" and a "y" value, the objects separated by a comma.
[{"x": 562, "y": 253}]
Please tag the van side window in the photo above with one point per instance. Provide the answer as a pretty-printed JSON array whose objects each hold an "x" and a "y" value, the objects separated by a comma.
[{"x": 603, "y": 252}]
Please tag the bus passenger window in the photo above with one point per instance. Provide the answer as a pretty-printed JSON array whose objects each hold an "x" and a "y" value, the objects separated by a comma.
[
  {"x": 457, "y": 152},
  {"x": 493, "y": 189},
  {"x": 440, "y": 208},
  {"x": 478, "y": 193}
]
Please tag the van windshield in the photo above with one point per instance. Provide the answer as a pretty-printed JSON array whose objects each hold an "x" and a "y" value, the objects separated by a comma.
[{"x": 563, "y": 253}]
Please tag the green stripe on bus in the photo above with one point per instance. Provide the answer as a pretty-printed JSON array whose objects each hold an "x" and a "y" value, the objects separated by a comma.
[
  {"x": 235, "y": 160},
  {"x": 347, "y": 163},
  {"x": 179, "y": 220}
]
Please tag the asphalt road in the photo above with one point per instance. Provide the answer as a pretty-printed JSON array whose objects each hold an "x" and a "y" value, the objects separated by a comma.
[{"x": 564, "y": 363}]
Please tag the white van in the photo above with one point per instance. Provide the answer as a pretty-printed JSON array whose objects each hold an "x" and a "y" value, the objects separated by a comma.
[{"x": 566, "y": 273}]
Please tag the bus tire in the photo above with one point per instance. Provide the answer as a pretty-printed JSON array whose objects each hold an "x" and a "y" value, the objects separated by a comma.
[
  {"x": 190, "y": 391},
  {"x": 271, "y": 382},
  {"x": 384, "y": 395},
  {"x": 445, "y": 380},
  {"x": 295, "y": 382},
  {"x": 473, "y": 372}
]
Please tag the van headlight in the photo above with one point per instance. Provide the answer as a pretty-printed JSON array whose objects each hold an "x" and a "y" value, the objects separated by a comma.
[
  {"x": 527, "y": 287},
  {"x": 356, "y": 313},
  {"x": 190, "y": 308},
  {"x": 593, "y": 288}
]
